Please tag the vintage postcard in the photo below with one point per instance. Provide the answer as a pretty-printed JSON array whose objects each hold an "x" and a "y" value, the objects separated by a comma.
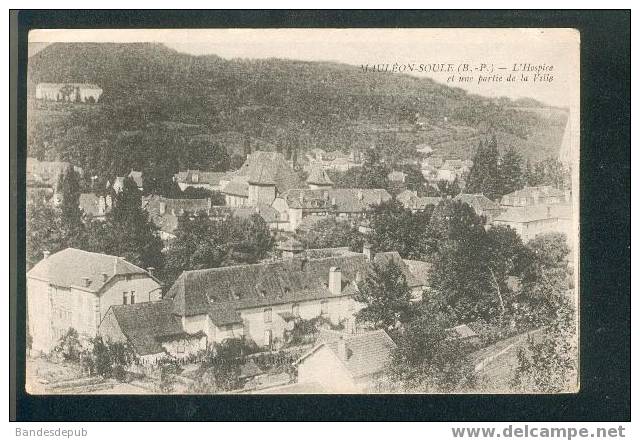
[{"x": 303, "y": 211}]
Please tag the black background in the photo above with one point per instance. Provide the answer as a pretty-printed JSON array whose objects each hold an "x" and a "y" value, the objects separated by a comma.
[{"x": 604, "y": 225}]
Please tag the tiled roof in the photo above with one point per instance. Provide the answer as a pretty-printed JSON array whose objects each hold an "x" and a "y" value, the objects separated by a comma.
[
  {"x": 68, "y": 267},
  {"x": 341, "y": 200},
  {"x": 533, "y": 196},
  {"x": 318, "y": 176},
  {"x": 478, "y": 202},
  {"x": 268, "y": 168},
  {"x": 534, "y": 213},
  {"x": 146, "y": 324},
  {"x": 413, "y": 202},
  {"x": 367, "y": 353},
  {"x": 220, "y": 292},
  {"x": 237, "y": 186}
]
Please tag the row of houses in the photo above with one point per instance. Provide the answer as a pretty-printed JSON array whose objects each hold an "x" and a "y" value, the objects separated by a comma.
[
  {"x": 530, "y": 211},
  {"x": 101, "y": 294}
]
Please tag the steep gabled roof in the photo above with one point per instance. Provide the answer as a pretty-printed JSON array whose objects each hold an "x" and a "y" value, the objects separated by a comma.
[
  {"x": 68, "y": 267},
  {"x": 367, "y": 353},
  {"x": 478, "y": 201},
  {"x": 267, "y": 168},
  {"x": 221, "y": 290},
  {"x": 147, "y": 324},
  {"x": 237, "y": 186}
]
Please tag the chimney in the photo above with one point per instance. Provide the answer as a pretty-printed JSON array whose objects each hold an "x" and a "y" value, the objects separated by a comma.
[
  {"x": 86, "y": 281},
  {"x": 150, "y": 270},
  {"x": 46, "y": 254},
  {"x": 105, "y": 276},
  {"x": 342, "y": 348},
  {"x": 335, "y": 280},
  {"x": 368, "y": 252}
]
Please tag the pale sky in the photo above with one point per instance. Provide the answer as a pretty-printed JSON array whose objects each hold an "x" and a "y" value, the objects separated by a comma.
[{"x": 502, "y": 47}]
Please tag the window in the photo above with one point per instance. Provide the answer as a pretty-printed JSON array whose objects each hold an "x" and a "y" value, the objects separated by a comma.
[
  {"x": 295, "y": 310},
  {"x": 324, "y": 307},
  {"x": 133, "y": 297},
  {"x": 180, "y": 347},
  {"x": 267, "y": 315},
  {"x": 267, "y": 338},
  {"x": 124, "y": 298}
]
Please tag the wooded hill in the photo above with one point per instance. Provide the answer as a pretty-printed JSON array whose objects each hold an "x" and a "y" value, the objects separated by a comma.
[{"x": 160, "y": 106}]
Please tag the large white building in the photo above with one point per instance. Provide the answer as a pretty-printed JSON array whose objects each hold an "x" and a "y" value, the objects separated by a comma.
[
  {"x": 74, "y": 289},
  {"x": 69, "y": 92}
]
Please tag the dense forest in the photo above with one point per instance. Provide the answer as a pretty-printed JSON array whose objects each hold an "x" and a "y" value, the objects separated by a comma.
[{"x": 163, "y": 110}]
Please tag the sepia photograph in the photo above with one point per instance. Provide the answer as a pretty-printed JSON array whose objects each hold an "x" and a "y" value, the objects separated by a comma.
[{"x": 303, "y": 211}]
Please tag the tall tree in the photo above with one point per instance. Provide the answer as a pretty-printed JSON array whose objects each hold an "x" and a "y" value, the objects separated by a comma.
[
  {"x": 545, "y": 279},
  {"x": 127, "y": 231},
  {"x": 471, "y": 266},
  {"x": 70, "y": 212},
  {"x": 395, "y": 228},
  {"x": 510, "y": 170},
  {"x": 44, "y": 231},
  {"x": 386, "y": 296},
  {"x": 483, "y": 176}
]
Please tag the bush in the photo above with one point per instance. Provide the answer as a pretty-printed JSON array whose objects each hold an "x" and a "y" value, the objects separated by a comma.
[{"x": 69, "y": 347}]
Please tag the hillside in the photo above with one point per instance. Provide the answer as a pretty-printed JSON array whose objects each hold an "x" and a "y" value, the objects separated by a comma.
[{"x": 159, "y": 103}]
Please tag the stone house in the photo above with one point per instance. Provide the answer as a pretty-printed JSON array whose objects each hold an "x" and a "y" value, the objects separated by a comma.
[
  {"x": 74, "y": 289},
  {"x": 346, "y": 363}
]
